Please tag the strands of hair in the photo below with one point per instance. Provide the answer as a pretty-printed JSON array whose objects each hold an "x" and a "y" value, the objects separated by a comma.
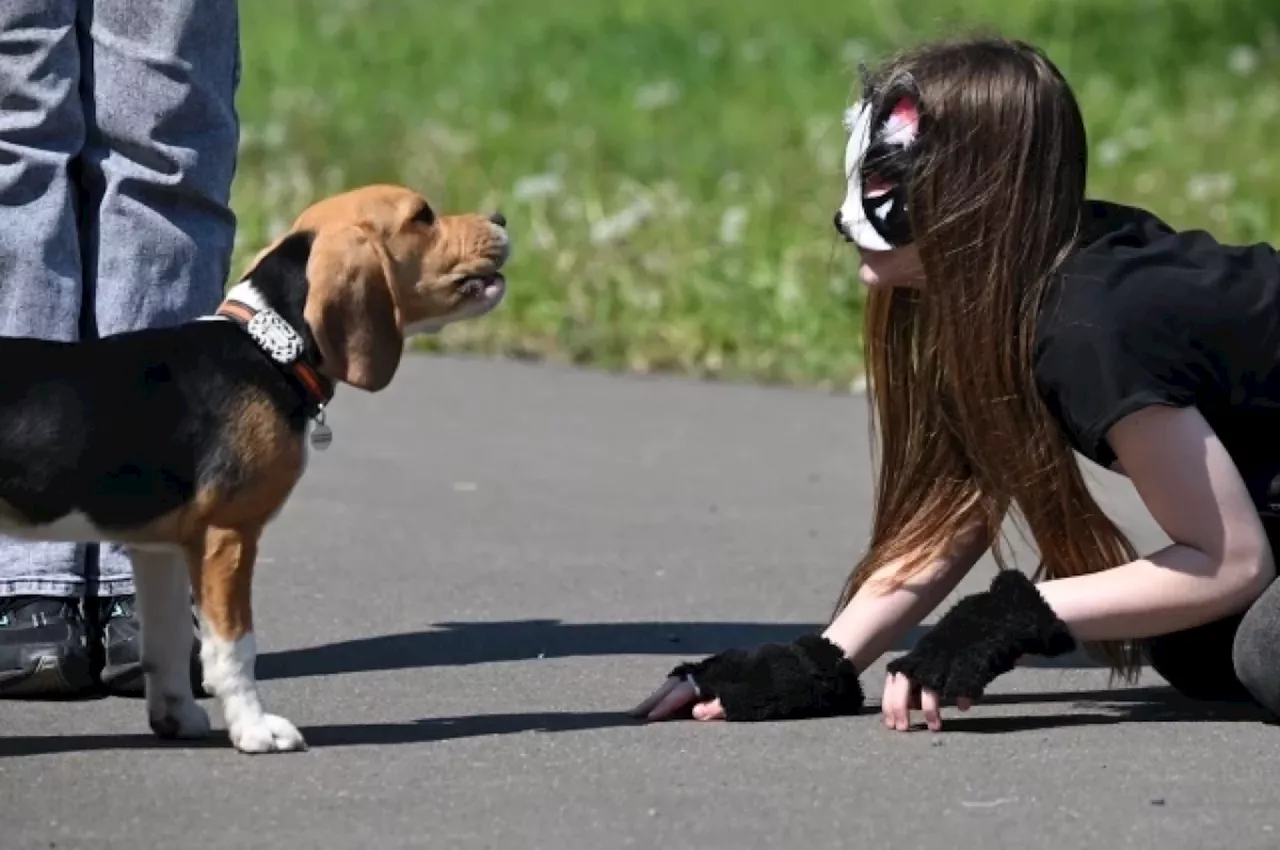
[{"x": 961, "y": 436}]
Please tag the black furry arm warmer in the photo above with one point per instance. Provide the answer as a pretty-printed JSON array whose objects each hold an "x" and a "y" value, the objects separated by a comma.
[
  {"x": 983, "y": 636},
  {"x": 807, "y": 678}
]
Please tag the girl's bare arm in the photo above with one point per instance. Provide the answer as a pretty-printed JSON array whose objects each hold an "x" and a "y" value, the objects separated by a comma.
[
  {"x": 1220, "y": 558},
  {"x": 877, "y": 618}
]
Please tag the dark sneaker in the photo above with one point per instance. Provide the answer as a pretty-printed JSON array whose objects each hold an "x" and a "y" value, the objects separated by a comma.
[
  {"x": 43, "y": 648},
  {"x": 120, "y": 645},
  {"x": 121, "y": 648}
]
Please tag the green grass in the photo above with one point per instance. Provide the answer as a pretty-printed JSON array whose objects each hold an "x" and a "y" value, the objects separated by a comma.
[{"x": 670, "y": 167}]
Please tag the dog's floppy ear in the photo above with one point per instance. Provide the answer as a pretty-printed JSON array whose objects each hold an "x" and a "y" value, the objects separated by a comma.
[{"x": 351, "y": 309}]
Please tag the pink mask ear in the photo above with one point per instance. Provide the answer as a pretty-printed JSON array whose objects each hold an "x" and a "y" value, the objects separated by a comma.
[{"x": 902, "y": 127}]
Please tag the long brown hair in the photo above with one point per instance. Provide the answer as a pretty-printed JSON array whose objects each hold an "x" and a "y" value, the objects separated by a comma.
[{"x": 963, "y": 436}]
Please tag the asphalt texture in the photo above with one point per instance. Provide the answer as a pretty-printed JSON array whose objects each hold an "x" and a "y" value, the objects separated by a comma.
[{"x": 494, "y": 561}]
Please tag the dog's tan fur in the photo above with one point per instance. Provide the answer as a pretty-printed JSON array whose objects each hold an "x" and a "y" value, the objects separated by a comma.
[
  {"x": 382, "y": 265},
  {"x": 383, "y": 262}
]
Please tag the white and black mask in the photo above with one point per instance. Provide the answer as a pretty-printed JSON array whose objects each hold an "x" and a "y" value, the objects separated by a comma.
[{"x": 879, "y": 159}]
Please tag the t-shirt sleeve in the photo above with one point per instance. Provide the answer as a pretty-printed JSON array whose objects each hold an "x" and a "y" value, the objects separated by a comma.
[{"x": 1093, "y": 371}]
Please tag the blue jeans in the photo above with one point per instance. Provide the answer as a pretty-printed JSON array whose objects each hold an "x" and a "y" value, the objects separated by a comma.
[{"x": 118, "y": 144}]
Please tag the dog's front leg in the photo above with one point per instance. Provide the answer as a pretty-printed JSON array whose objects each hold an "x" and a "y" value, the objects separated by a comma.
[
  {"x": 228, "y": 649},
  {"x": 164, "y": 613}
]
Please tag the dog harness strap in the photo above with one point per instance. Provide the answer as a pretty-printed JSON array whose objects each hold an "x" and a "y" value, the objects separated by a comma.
[{"x": 283, "y": 345}]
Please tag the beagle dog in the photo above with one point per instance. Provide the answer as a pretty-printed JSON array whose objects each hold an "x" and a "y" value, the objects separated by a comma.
[{"x": 183, "y": 442}]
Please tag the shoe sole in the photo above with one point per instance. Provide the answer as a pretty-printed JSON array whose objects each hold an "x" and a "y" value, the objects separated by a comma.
[{"x": 54, "y": 676}]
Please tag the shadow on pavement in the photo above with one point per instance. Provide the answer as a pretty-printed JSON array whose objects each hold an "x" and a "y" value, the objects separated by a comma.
[
  {"x": 450, "y": 644},
  {"x": 1154, "y": 704},
  {"x": 337, "y": 735},
  {"x": 1131, "y": 705}
]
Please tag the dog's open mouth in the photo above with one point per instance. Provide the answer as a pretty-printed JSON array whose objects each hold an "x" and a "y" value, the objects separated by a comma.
[
  {"x": 483, "y": 292},
  {"x": 483, "y": 287}
]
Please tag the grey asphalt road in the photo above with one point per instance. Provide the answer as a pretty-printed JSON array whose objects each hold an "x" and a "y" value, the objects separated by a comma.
[{"x": 495, "y": 560}]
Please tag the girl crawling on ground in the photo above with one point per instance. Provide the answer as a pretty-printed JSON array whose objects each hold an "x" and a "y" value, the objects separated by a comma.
[{"x": 1010, "y": 321}]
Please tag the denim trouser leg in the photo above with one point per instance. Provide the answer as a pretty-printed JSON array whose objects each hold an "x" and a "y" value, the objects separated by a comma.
[
  {"x": 41, "y": 290},
  {"x": 159, "y": 159},
  {"x": 133, "y": 101}
]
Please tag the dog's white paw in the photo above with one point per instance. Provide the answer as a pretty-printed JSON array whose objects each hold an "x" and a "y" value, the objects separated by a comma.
[
  {"x": 177, "y": 717},
  {"x": 267, "y": 733}
]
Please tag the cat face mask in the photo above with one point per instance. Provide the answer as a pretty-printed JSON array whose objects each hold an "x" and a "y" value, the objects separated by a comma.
[{"x": 879, "y": 159}]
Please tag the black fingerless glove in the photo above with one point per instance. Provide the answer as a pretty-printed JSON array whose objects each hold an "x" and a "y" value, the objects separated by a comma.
[
  {"x": 983, "y": 636},
  {"x": 808, "y": 678}
]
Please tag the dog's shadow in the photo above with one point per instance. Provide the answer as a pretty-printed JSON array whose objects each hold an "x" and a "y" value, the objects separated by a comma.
[
  {"x": 336, "y": 735},
  {"x": 457, "y": 644}
]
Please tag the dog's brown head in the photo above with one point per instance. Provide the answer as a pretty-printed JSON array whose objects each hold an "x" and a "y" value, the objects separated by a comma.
[{"x": 382, "y": 266}]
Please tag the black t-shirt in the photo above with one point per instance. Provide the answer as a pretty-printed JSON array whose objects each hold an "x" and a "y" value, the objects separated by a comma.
[{"x": 1142, "y": 314}]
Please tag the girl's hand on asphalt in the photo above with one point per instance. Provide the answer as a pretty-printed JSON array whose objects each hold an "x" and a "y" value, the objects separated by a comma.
[
  {"x": 901, "y": 697},
  {"x": 674, "y": 696}
]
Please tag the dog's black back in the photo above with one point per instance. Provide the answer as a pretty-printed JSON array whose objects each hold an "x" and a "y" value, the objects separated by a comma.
[{"x": 127, "y": 428}]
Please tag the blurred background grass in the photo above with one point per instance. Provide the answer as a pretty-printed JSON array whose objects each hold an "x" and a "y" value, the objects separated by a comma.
[{"x": 670, "y": 167}]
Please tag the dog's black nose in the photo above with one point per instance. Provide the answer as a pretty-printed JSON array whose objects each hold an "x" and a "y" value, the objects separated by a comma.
[
  {"x": 838, "y": 223},
  {"x": 498, "y": 219}
]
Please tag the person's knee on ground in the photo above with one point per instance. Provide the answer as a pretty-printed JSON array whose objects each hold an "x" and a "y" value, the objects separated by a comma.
[{"x": 1255, "y": 652}]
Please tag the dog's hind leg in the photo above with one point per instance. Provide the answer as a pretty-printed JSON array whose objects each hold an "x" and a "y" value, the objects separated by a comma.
[
  {"x": 228, "y": 649},
  {"x": 164, "y": 613}
]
